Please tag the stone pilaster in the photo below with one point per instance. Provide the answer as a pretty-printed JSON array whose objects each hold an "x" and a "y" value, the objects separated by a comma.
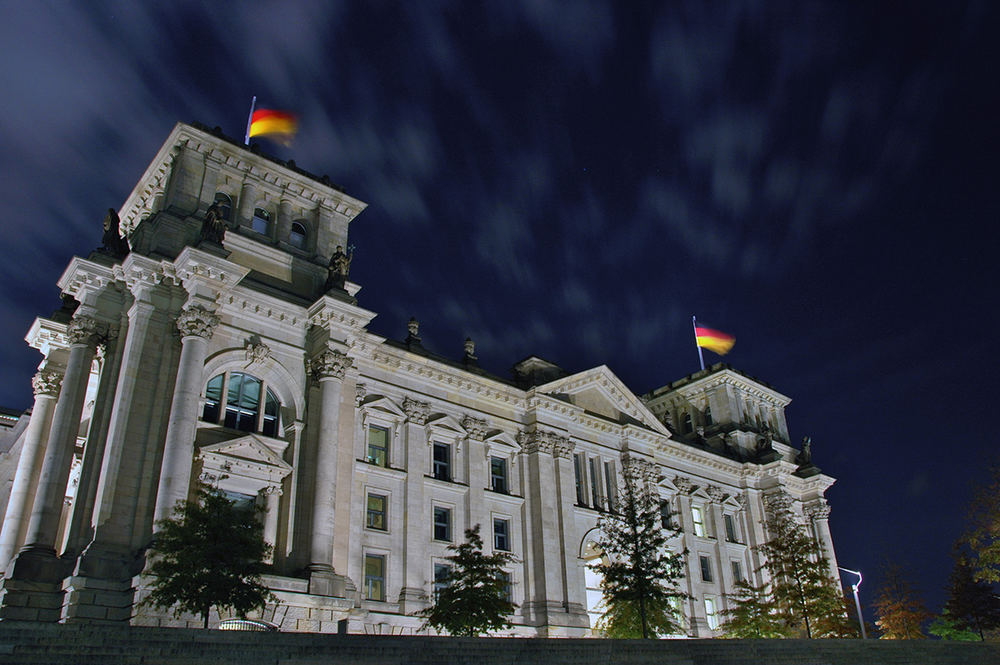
[
  {"x": 477, "y": 476},
  {"x": 328, "y": 368},
  {"x": 818, "y": 513},
  {"x": 413, "y": 595},
  {"x": 196, "y": 325},
  {"x": 22, "y": 494}
]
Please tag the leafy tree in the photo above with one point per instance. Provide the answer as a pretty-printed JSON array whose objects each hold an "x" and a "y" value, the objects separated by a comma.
[
  {"x": 983, "y": 536},
  {"x": 475, "y": 598},
  {"x": 209, "y": 554},
  {"x": 808, "y": 599},
  {"x": 971, "y": 605},
  {"x": 639, "y": 582},
  {"x": 753, "y": 614},
  {"x": 899, "y": 612},
  {"x": 947, "y": 628}
]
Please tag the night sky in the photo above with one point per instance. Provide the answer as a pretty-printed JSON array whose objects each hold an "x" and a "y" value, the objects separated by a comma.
[{"x": 574, "y": 180}]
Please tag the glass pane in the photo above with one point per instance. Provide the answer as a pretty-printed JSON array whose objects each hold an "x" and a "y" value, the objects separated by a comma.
[
  {"x": 250, "y": 396},
  {"x": 213, "y": 398}
]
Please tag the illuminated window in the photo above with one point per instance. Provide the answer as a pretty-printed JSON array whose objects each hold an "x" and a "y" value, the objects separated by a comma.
[
  {"x": 442, "y": 523},
  {"x": 241, "y": 408},
  {"x": 698, "y": 519},
  {"x": 297, "y": 235},
  {"x": 378, "y": 445},
  {"x": 261, "y": 222},
  {"x": 376, "y": 512},
  {"x": 375, "y": 577},
  {"x": 711, "y": 613}
]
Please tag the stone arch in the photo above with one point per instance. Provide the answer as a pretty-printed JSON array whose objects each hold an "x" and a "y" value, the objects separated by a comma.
[{"x": 285, "y": 385}]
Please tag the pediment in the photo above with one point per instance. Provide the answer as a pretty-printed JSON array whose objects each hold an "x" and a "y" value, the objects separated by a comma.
[
  {"x": 250, "y": 448},
  {"x": 500, "y": 440},
  {"x": 599, "y": 391},
  {"x": 446, "y": 423},
  {"x": 384, "y": 404}
]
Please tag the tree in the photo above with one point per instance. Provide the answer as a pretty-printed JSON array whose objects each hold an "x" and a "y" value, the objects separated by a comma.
[
  {"x": 475, "y": 596},
  {"x": 211, "y": 553},
  {"x": 983, "y": 535},
  {"x": 947, "y": 628},
  {"x": 639, "y": 582},
  {"x": 805, "y": 594},
  {"x": 972, "y": 605},
  {"x": 899, "y": 612},
  {"x": 753, "y": 614}
]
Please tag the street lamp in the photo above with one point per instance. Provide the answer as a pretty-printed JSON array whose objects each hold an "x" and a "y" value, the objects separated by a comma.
[{"x": 857, "y": 602}]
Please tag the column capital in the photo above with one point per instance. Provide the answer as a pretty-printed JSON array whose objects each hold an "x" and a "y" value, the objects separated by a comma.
[
  {"x": 545, "y": 442},
  {"x": 643, "y": 469},
  {"x": 85, "y": 329},
  {"x": 416, "y": 412},
  {"x": 329, "y": 364},
  {"x": 47, "y": 382},
  {"x": 818, "y": 511},
  {"x": 475, "y": 427},
  {"x": 683, "y": 484},
  {"x": 715, "y": 493},
  {"x": 197, "y": 321}
]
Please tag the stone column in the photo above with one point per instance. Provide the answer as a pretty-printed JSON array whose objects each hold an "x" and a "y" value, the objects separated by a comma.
[
  {"x": 413, "y": 595},
  {"x": 573, "y": 579},
  {"x": 248, "y": 198},
  {"x": 43, "y": 528},
  {"x": 329, "y": 369},
  {"x": 46, "y": 384},
  {"x": 477, "y": 464},
  {"x": 196, "y": 325},
  {"x": 819, "y": 514},
  {"x": 272, "y": 500}
]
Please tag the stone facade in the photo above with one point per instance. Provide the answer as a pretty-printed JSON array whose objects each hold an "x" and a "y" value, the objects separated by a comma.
[{"x": 231, "y": 363}]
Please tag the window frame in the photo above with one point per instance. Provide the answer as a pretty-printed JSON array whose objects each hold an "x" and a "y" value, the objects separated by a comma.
[
  {"x": 711, "y": 613},
  {"x": 383, "y": 559},
  {"x": 384, "y": 513},
  {"x": 729, "y": 522},
  {"x": 368, "y": 445},
  {"x": 438, "y": 573},
  {"x": 446, "y": 524},
  {"x": 264, "y": 422},
  {"x": 610, "y": 483},
  {"x": 304, "y": 235},
  {"x": 267, "y": 218},
  {"x": 225, "y": 205},
  {"x": 506, "y": 545},
  {"x": 698, "y": 521},
  {"x": 580, "y": 471},
  {"x": 705, "y": 563},
  {"x": 444, "y": 464},
  {"x": 503, "y": 486},
  {"x": 737, "y": 569}
]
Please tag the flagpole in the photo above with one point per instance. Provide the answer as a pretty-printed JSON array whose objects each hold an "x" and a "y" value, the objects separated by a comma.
[
  {"x": 253, "y": 103},
  {"x": 701, "y": 356}
]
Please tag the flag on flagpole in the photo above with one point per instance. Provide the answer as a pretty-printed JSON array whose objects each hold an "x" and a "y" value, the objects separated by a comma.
[
  {"x": 713, "y": 340},
  {"x": 267, "y": 122}
]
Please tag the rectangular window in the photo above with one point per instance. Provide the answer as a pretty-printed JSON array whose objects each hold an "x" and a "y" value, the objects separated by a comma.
[
  {"x": 375, "y": 577},
  {"x": 442, "y": 523},
  {"x": 507, "y": 586},
  {"x": 706, "y": 568},
  {"x": 710, "y": 613},
  {"x": 378, "y": 445},
  {"x": 730, "y": 528},
  {"x": 737, "y": 571},
  {"x": 442, "y": 461},
  {"x": 376, "y": 513},
  {"x": 441, "y": 573},
  {"x": 498, "y": 474},
  {"x": 581, "y": 483},
  {"x": 698, "y": 519},
  {"x": 666, "y": 516},
  {"x": 610, "y": 484},
  {"x": 595, "y": 481},
  {"x": 501, "y": 534}
]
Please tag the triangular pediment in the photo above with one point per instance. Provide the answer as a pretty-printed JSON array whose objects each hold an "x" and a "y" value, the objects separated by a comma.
[
  {"x": 600, "y": 392},
  {"x": 250, "y": 448},
  {"x": 382, "y": 403},
  {"x": 446, "y": 423}
]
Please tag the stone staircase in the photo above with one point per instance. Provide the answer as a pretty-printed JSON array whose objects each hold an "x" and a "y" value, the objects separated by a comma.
[{"x": 89, "y": 644}]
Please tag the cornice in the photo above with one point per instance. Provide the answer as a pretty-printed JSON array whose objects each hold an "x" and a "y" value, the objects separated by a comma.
[
  {"x": 726, "y": 378},
  {"x": 82, "y": 274},
  {"x": 47, "y": 335}
]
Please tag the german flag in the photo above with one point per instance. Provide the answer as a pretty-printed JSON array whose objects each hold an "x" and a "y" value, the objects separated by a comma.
[
  {"x": 713, "y": 340},
  {"x": 266, "y": 122}
]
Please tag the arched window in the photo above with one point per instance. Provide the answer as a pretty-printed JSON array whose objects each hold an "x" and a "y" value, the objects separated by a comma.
[
  {"x": 225, "y": 205},
  {"x": 241, "y": 408},
  {"x": 593, "y": 554},
  {"x": 262, "y": 221},
  {"x": 297, "y": 236}
]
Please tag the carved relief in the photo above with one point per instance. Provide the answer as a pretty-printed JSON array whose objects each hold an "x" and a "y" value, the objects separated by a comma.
[
  {"x": 642, "y": 468},
  {"x": 476, "y": 427},
  {"x": 715, "y": 493},
  {"x": 47, "y": 382},
  {"x": 360, "y": 392},
  {"x": 562, "y": 447},
  {"x": 256, "y": 351},
  {"x": 416, "y": 412},
  {"x": 818, "y": 511},
  {"x": 330, "y": 364},
  {"x": 549, "y": 443},
  {"x": 85, "y": 329},
  {"x": 197, "y": 321},
  {"x": 683, "y": 484}
]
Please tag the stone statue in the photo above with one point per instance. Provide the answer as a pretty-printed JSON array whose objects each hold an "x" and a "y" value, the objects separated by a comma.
[
  {"x": 340, "y": 265},
  {"x": 213, "y": 229},
  {"x": 113, "y": 243},
  {"x": 470, "y": 352},
  {"x": 805, "y": 457}
]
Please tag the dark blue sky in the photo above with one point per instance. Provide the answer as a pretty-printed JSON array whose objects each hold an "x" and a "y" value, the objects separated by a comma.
[{"x": 575, "y": 180}]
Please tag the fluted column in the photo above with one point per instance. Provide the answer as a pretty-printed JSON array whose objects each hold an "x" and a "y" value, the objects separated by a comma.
[
  {"x": 329, "y": 369},
  {"x": 196, "y": 325},
  {"x": 819, "y": 513},
  {"x": 46, "y": 384},
  {"x": 43, "y": 528},
  {"x": 413, "y": 595}
]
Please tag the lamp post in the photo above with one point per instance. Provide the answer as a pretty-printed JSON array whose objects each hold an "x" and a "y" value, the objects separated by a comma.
[{"x": 857, "y": 602}]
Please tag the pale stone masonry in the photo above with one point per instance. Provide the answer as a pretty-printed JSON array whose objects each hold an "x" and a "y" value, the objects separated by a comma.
[{"x": 245, "y": 365}]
